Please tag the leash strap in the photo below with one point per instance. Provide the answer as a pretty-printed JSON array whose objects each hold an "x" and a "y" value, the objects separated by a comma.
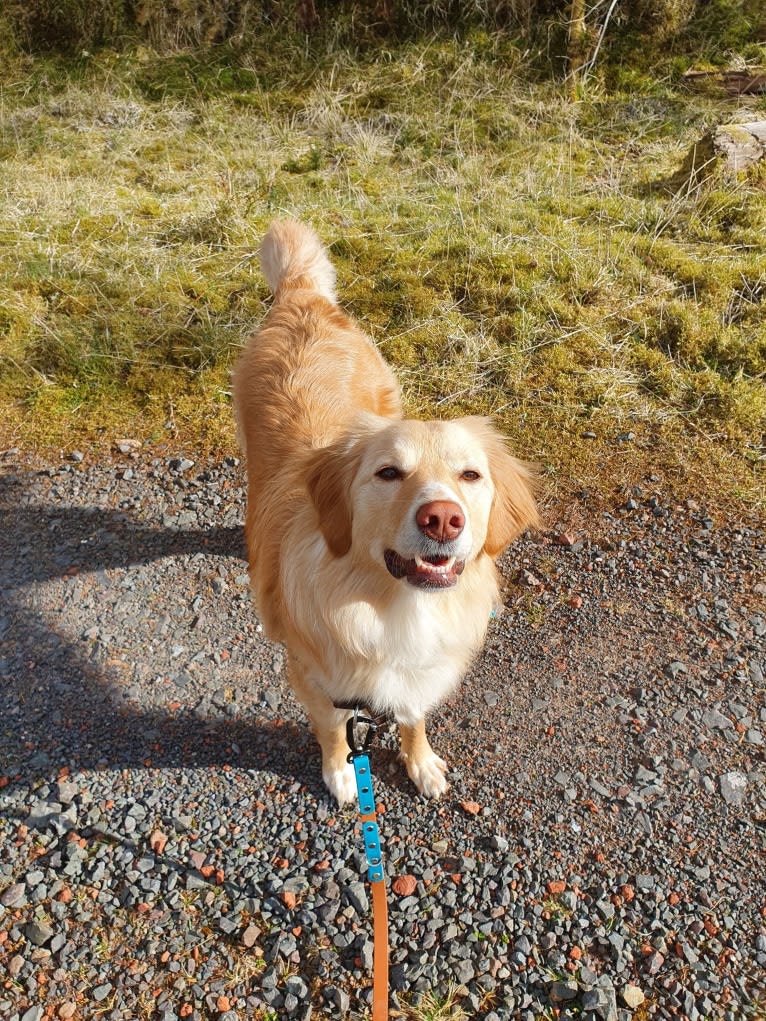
[
  {"x": 368, "y": 817},
  {"x": 380, "y": 953},
  {"x": 375, "y": 874}
]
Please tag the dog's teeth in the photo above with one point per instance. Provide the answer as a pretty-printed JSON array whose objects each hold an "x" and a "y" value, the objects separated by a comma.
[{"x": 424, "y": 565}]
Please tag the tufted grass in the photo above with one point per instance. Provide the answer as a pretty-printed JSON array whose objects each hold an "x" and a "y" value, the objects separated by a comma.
[{"x": 513, "y": 253}]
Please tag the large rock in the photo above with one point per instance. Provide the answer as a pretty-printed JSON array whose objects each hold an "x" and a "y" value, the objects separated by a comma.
[{"x": 730, "y": 149}]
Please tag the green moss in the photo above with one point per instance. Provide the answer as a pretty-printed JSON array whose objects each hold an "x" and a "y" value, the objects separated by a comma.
[
  {"x": 198, "y": 77},
  {"x": 308, "y": 161}
]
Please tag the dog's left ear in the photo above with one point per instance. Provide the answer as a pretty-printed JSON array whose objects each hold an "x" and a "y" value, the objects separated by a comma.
[
  {"x": 330, "y": 472},
  {"x": 514, "y": 508}
]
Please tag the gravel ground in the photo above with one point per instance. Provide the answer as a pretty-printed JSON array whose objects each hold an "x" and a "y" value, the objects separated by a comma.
[{"x": 168, "y": 849}]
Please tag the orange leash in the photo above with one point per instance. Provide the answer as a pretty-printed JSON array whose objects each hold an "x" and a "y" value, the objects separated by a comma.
[
  {"x": 375, "y": 873},
  {"x": 380, "y": 952}
]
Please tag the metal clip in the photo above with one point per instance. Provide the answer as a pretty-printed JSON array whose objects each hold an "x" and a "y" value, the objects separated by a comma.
[{"x": 359, "y": 739}]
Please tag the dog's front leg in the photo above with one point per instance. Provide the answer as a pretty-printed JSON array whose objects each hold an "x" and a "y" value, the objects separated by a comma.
[
  {"x": 426, "y": 770},
  {"x": 329, "y": 727}
]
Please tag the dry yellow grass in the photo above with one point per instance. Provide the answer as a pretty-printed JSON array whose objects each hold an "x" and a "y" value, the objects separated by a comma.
[{"x": 511, "y": 252}]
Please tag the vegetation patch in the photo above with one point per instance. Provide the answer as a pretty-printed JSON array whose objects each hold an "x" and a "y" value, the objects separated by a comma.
[{"x": 511, "y": 251}]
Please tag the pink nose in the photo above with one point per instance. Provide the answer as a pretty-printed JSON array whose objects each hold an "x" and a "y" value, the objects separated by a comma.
[{"x": 440, "y": 520}]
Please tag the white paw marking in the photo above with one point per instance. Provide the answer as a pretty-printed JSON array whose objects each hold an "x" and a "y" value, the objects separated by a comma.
[
  {"x": 341, "y": 782},
  {"x": 428, "y": 774}
]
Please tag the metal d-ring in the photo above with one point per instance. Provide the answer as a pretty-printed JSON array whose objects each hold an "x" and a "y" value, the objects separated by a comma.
[{"x": 360, "y": 731}]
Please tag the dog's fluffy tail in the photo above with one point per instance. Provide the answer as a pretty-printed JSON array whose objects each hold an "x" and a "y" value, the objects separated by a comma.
[{"x": 292, "y": 256}]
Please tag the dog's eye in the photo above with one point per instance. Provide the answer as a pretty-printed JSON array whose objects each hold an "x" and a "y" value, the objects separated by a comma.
[
  {"x": 389, "y": 473},
  {"x": 470, "y": 476}
]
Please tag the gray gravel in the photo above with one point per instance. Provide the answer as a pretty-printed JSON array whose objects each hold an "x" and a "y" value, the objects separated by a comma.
[{"x": 168, "y": 849}]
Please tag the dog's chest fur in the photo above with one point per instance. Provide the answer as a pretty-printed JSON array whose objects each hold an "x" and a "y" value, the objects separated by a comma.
[{"x": 403, "y": 655}]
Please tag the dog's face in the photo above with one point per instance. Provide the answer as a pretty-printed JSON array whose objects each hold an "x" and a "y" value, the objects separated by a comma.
[{"x": 421, "y": 499}]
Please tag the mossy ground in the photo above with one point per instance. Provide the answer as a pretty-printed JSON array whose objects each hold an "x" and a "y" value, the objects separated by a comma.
[{"x": 513, "y": 253}]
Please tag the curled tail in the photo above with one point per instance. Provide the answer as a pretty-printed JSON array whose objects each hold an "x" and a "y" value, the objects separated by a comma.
[{"x": 292, "y": 256}]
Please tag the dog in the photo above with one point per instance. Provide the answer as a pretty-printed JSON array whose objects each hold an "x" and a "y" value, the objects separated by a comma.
[{"x": 371, "y": 538}]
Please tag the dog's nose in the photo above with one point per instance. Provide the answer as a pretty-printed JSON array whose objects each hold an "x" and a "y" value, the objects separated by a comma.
[{"x": 440, "y": 520}]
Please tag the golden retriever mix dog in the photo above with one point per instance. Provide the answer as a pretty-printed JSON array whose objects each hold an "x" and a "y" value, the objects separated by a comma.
[{"x": 371, "y": 537}]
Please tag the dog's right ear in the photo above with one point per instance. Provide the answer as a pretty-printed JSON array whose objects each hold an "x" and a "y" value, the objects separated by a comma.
[{"x": 330, "y": 472}]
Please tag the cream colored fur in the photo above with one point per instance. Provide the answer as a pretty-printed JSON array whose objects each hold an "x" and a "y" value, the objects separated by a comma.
[{"x": 319, "y": 414}]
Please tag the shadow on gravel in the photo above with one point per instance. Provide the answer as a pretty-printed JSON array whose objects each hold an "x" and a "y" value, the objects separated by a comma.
[
  {"x": 97, "y": 540},
  {"x": 62, "y": 705}
]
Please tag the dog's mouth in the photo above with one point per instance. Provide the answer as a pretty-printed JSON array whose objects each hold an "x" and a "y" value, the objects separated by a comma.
[{"x": 425, "y": 572}]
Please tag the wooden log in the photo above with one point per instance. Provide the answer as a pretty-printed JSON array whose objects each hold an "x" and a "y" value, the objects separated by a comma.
[{"x": 751, "y": 81}]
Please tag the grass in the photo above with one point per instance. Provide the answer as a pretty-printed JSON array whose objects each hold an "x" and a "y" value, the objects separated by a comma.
[
  {"x": 431, "y": 1007},
  {"x": 556, "y": 910},
  {"x": 512, "y": 253}
]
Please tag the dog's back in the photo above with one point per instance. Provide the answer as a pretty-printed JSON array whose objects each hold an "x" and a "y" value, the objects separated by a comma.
[{"x": 301, "y": 383}]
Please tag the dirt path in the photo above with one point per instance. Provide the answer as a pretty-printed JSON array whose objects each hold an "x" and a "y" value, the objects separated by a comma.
[{"x": 167, "y": 846}]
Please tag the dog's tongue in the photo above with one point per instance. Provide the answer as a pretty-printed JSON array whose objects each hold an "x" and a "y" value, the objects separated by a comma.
[{"x": 436, "y": 561}]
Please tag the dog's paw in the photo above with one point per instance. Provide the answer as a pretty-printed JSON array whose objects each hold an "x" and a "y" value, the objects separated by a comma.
[
  {"x": 340, "y": 781},
  {"x": 428, "y": 773}
]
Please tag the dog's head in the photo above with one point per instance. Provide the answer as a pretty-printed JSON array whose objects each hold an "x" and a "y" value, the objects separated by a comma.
[{"x": 421, "y": 499}]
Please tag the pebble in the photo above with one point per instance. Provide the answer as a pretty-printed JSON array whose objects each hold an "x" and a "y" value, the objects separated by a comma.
[
  {"x": 733, "y": 787},
  {"x": 39, "y": 933},
  {"x": 340, "y": 1000},
  {"x": 715, "y": 720},
  {"x": 653, "y": 962},
  {"x": 14, "y": 895},
  {"x": 128, "y": 446},
  {"x": 632, "y": 996},
  {"x": 562, "y": 992},
  {"x": 601, "y": 1002},
  {"x": 675, "y": 668},
  {"x": 464, "y": 971},
  {"x": 404, "y": 886},
  {"x": 250, "y": 936}
]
